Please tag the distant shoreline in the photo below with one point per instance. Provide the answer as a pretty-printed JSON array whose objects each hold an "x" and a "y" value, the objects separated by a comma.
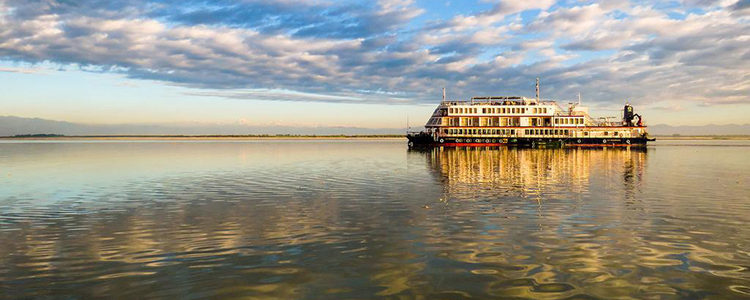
[
  {"x": 298, "y": 137},
  {"x": 203, "y": 137},
  {"x": 702, "y": 137}
]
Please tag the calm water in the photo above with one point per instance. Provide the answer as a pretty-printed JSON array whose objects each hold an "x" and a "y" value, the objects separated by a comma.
[{"x": 369, "y": 219}]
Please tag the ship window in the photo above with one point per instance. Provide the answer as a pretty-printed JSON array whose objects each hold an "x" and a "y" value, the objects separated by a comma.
[
  {"x": 512, "y": 131},
  {"x": 606, "y": 133}
]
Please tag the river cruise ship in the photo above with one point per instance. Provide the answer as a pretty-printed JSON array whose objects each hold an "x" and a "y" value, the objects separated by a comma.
[{"x": 526, "y": 122}]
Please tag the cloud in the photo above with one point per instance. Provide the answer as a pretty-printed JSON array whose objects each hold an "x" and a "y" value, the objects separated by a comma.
[
  {"x": 20, "y": 70},
  {"x": 391, "y": 51}
]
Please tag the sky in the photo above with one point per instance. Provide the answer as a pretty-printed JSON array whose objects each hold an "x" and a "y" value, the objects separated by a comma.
[{"x": 371, "y": 64}]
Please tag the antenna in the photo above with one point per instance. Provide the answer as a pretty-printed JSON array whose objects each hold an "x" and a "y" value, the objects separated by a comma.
[
  {"x": 537, "y": 89},
  {"x": 443, "y": 94},
  {"x": 407, "y": 122}
]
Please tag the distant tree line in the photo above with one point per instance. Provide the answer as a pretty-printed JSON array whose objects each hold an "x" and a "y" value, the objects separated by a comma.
[{"x": 39, "y": 135}]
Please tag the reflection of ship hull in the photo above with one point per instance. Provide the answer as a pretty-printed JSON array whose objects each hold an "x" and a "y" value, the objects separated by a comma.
[{"x": 426, "y": 140}]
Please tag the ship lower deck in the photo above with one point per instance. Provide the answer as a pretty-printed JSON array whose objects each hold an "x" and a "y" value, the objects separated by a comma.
[{"x": 425, "y": 140}]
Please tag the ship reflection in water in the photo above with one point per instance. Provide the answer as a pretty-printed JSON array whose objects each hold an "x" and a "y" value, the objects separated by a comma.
[
  {"x": 368, "y": 219},
  {"x": 532, "y": 173}
]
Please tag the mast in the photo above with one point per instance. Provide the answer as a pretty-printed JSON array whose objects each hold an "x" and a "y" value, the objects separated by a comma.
[
  {"x": 443, "y": 94},
  {"x": 537, "y": 89}
]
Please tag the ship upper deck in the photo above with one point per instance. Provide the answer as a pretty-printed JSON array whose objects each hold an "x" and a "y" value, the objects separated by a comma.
[{"x": 496, "y": 100}]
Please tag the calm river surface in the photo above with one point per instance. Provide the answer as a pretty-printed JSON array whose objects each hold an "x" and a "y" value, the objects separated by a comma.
[{"x": 360, "y": 219}]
